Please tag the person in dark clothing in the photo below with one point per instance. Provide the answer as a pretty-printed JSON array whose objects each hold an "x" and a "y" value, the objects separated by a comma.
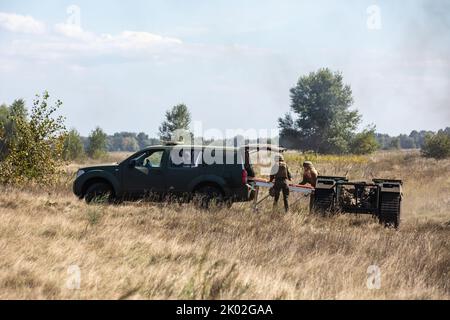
[{"x": 279, "y": 176}]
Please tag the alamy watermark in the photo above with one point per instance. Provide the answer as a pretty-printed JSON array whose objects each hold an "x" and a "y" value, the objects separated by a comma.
[
  {"x": 229, "y": 146},
  {"x": 373, "y": 277},
  {"x": 373, "y": 17},
  {"x": 73, "y": 281},
  {"x": 74, "y": 16}
]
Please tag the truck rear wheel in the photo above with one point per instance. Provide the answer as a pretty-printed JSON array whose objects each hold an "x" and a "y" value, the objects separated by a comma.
[
  {"x": 206, "y": 196},
  {"x": 390, "y": 207},
  {"x": 99, "y": 192}
]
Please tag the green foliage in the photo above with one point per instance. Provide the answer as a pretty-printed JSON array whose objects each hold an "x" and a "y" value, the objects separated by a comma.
[
  {"x": 144, "y": 141},
  {"x": 406, "y": 142},
  {"x": 324, "y": 123},
  {"x": 7, "y": 126},
  {"x": 35, "y": 143},
  {"x": 18, "y": 108},
  {"x": 97, "y": 144},
  {"x": 4, "y": 119},
  {"x": 364, "y": 142},
  {"x": 177, "y": 121},
  {"x": 395, "y": 143},
  {"x": 73, "y": 148},
  {"x": 129, "y": 141},
  {"x": 416, "y": 139},
  {"x": 437, "y": 146}
]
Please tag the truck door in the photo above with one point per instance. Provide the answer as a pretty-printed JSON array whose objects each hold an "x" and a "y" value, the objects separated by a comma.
[
  {"x": 182, "y": 169},
  {"x": 145, "y": 174}
]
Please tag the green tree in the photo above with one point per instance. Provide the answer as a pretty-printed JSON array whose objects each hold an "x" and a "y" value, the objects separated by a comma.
[
  {"x": 4, "y": 119},
  {"x": 34, "y": 153},
  {"x": 7, "y": 125},
  {"x": 177, "y": 121},
  {"x": 395, "y": 143},
  {"x": 122, "y": 141},
  {"x": 73, "y": 146},
  {"x": 130, "y": 144},
  {"x": 324, "y": 122},
  {"x": 97, "y": 146},
  {"x": 18, "y": 108},
  {"x": 406, "y": 142},
  {"x": 364, "y": 142},
  {"x": 4, "y": 112},
  {"x": 437, "y": 145},
  {"x": 144, "y": 140}
]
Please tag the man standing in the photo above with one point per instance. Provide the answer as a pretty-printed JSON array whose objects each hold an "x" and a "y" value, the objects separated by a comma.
[
  {"x": 309, "y": 174},
  {"x": 279, "y": 176}
]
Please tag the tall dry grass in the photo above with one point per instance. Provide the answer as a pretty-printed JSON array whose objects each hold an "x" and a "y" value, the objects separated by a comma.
[{"x": 159, "y": 251}]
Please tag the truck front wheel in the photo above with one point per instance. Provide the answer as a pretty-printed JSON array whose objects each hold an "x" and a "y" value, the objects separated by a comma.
[{"x": 99, "y": 192}]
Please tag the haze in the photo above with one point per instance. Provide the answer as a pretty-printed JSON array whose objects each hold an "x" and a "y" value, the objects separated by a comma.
[{"x": 121, "y": 65}]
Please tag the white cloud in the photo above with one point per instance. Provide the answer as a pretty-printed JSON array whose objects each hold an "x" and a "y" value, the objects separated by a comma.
[
  {"x": 72, "y": 31},
  {"x": 133, "y": 40},
  {"x": 20, "y": 23},
  {"x": 70, "y": 44},
  {"x": 71, "y": 41}
]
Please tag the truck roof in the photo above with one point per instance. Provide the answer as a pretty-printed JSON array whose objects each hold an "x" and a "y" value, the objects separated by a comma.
[{"x": 250, "y": 147}]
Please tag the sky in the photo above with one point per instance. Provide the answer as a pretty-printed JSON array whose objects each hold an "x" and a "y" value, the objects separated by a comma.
[{"x": 121, "y": 64}]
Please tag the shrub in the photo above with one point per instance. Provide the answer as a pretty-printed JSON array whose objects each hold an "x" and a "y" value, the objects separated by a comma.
[
  {"x": 35, "y": 152},
  {"x": 364, "y": 142},
  {"x": 437, "y": 146}
]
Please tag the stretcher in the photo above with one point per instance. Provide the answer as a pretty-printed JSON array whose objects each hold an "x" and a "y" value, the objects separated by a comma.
[{"x": 257, "y": 183}]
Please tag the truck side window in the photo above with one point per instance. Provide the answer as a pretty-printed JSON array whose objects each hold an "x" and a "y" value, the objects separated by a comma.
[{"x": 151, "y": 160}]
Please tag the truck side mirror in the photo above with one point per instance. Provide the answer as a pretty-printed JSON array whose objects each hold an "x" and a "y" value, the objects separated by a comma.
[{"x": 132, "y": 163}]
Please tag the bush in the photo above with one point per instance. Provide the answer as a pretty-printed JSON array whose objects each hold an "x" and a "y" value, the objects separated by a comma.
[
  {"x": 35, "y": 152},
  {"x": 73, "y": 146},
  {"x": 437, "y": 146},
  {"x": 364, "y": 142}
]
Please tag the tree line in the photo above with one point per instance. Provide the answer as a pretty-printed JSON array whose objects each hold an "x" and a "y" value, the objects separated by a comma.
[
  {"x": 415, "y": 140},
  {"x": 33, "y": 141}
]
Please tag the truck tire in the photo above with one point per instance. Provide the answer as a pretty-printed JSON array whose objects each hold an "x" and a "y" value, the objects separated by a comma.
[
  {"x": 207, "y": 195},
  {"x": 390, "y": 207},
  {"x": 99, "y": 192},
  {"x": 321, "y": 201}
]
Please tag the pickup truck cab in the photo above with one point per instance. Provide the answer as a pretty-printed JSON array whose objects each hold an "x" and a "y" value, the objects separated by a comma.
[{"x": 158, "y": 172}]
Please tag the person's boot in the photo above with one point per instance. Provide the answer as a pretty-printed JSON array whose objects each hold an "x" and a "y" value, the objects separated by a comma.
[{"x": 286, "y": 207}]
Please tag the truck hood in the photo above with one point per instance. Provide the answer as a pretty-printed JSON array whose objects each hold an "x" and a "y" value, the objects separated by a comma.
[{"x": 107, "y": 167}]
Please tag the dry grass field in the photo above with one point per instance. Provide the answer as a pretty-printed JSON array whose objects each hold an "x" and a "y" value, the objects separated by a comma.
[{"x": 168, "y": 251}]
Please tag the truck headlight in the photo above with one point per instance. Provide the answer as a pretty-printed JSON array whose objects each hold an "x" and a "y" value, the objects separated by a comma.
[{"x": 79, "y": 173}]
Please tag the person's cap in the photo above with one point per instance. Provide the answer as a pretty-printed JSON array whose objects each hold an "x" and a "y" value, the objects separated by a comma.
[{"x": 307, "y": 163}]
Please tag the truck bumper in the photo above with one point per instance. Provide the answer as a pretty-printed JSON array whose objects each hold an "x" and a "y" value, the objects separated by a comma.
[{"x": 77, "y": 188}]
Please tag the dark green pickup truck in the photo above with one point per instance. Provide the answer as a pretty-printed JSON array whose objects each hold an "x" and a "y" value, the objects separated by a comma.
[{"x": 159, "y": 172}]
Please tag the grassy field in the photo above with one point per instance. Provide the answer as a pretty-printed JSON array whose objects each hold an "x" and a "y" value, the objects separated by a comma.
[{"x": 160, "y": 251}]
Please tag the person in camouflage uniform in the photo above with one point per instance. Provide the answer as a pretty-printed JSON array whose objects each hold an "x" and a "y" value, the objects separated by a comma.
[
  {"x": 309, "y": 174},
  {"x": 279, "y": 176}
]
